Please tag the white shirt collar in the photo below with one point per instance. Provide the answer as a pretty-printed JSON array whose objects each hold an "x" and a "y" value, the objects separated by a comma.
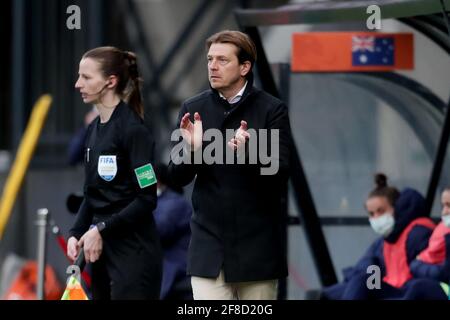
[{"x": 237, "y": 97}]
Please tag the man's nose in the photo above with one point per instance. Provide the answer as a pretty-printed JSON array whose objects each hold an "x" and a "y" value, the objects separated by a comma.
[{"x": 213, "y": 65}]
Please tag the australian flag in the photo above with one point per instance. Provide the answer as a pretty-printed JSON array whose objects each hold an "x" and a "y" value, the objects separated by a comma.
[{"x": 373, "y": 51}]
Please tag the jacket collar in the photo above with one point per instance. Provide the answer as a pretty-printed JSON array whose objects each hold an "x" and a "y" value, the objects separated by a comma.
[
  {"x": 237, "y": 97},
  {"x": 248, "y": 90},
  {"x": 117, "y": 110}
]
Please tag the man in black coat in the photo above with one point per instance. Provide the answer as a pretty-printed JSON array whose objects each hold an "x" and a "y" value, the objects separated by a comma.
[{"x": 238, "y": 150}]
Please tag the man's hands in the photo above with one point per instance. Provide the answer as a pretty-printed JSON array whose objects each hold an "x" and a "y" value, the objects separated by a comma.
[
  {"x": 240, "y": 138},
  {"x": 91, "y": 242},
  {"x": 192, "y": 132}
]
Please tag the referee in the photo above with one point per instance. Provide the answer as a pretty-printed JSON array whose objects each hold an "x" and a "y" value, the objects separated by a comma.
[{"x": 115, "y": 225}]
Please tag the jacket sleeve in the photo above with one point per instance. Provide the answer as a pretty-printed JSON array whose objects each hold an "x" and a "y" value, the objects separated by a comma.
[
  {"x": 181, "y": 168},
  {"x": 139, "y": 147},
  {"x": 172, "y": 219},
  {"x": 370, "y": 257},
  {"x": 439, "y": 272},
  {"x": 277, "y": 151},
  {"x": 279, "y": 120},
  {"x": 82, "y": 221},
  {"x": 84, "y": 215},
  {"x": 417, "y": 241},
  {"x": 420, "y": 269}
]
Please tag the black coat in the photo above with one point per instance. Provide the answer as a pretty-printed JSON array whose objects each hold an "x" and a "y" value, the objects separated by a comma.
[{"x": 238, "y": 216}]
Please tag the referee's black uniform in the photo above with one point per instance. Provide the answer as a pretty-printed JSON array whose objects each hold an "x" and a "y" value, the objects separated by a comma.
[{"x": 120, "y": 190}]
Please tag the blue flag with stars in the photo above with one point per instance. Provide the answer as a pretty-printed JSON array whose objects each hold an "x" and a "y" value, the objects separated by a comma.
[{"x": 373, "y": 51}]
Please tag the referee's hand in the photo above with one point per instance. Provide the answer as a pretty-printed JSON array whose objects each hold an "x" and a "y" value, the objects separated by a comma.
[
  {"x": 92, "y": 244},
  {"x": 72, "y": 248}
]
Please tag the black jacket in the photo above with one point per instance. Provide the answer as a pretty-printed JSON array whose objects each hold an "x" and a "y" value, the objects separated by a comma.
[
  {"x": 238, "y": 217},
  {"x": 121, "y": 203}
]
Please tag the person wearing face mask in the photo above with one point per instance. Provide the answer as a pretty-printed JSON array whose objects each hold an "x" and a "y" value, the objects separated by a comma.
[
  {"x": 431, "y": 268},
  {"x": 432, "y": 262},
  {"x": 400, "y": 220}
]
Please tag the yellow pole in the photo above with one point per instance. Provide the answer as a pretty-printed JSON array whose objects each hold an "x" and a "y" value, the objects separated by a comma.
[{"x": 23, "y": 158}]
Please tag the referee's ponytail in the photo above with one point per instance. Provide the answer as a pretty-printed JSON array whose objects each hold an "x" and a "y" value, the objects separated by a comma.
[
  {"x": 134, "y": 96},
  {"x": 122, "y": 64}
]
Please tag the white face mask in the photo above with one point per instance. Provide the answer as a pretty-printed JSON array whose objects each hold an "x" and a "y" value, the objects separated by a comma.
[
  {"x": 383, "y": 225},
  {"x": 446, "y": 220}
]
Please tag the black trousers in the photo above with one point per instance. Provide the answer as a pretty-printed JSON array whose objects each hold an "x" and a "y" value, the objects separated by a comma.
[{"x": 128, "y": 269}]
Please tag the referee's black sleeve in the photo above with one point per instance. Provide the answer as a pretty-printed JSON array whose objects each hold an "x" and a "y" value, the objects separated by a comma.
[{"x": 82, "y": 222}]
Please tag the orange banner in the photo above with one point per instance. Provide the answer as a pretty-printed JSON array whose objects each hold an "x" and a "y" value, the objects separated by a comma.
[{"x": 352, "y": 51}]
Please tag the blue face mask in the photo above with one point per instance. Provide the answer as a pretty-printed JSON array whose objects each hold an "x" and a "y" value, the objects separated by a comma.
[{"x": 383, "y": 225}]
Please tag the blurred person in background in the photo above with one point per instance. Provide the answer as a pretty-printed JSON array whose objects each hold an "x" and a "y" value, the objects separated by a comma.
[
  {"x": 75, "y": 152},
  {"x": 431, "y": 268},
  {"x": 432, "y": 262},
  {"x": 400, "y": 218},
  {"x": 172, "y": 216}
]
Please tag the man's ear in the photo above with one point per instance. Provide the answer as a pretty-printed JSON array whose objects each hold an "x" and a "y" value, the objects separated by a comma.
[{"x": 245, "y": 68}]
